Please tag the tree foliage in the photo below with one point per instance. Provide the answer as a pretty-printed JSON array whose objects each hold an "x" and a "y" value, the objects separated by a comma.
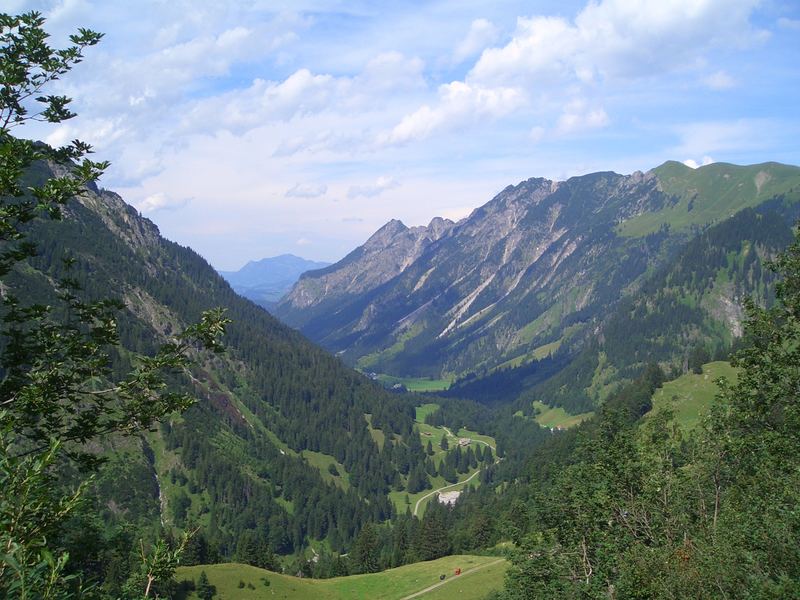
[
  {"x": 639, "y": 510},
  {"x": 57, "y": 391}
]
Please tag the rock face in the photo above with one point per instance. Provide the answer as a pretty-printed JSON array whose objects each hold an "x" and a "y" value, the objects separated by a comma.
[
  {"x": 522, "y": 275},
  {"x": 383, "y": 256}
]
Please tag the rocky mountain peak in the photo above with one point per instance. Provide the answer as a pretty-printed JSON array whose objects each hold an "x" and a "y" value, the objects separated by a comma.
[{"x": 384, "y": 236}]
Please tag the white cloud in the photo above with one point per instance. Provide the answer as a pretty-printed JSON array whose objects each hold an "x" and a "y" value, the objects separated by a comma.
[
  {"x": 251, "y": 103},
  {"x": 459, "y": 103},
  {"x": 306, "y": 190},
  {"x": 616, "y": 38},
  {"x": 303, "y": 242},
  {"x": 550, "y": 59},
  {"x": 456, "y": 213},
  {"x": 540, "y": 49},
  {"x": 160, "y": 201},
  {"x": 579, "y": 116},
  {"x": 714, "y": 137},
  {"x": 373, "y": 189},
  {"x": 691, "y": 163},
  {"x": 719, "y": 80},
  {"x": 481, "y": 34},
  {"x": 391, "y": 71}
]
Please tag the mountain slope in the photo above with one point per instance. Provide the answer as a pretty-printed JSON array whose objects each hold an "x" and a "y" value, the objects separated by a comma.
[
  {"x": 524, "y": 276},
  {"x": 265, "y": 281},
  {"x": 238, "y": 459}
]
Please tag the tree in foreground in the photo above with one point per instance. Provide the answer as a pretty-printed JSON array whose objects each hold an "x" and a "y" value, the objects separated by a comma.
[
  {"x": 643, "y": 512},
  {"x": 57, "y": 392}
]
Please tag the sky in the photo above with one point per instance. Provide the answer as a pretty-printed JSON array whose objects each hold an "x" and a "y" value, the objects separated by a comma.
[{"x": 247, "y": 129}]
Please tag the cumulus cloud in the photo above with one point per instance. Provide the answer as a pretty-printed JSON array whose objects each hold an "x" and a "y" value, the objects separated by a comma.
[
  {"x": 306, "y": 190},
  {"x": 541, "y": 48},
  {"x": 616, "y": 38},
  {"x": 373, "y": 189},
  {"x": 705, "y": 138},
  {"x": 482, "y": 33},
  {"x": 791, "y": 24},
  {"x": 537, "y": 133},
  {"x": 305, "y": 93},
  {"x": 693, "y": 164},
  {"x": 221, "y": 102},
  {"x": 459, "y": 103},
  {"x": 239, "y": 110},
  {"x": 160, "y": 201},
  {"x": 550, "y": 57},
  {"x": 391, "y": 71},
  {"x": 579, "y": 116}
]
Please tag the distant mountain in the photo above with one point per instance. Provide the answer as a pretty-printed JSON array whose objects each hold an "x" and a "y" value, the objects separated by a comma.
[
  {"x": 266, "y": 281},
  {"x": 535, "y": 273}
]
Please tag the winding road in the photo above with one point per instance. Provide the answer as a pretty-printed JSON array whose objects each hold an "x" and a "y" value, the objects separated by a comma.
[{"x": 456, "y": 484}]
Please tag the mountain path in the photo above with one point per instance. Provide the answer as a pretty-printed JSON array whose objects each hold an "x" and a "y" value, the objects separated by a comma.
[
  {"x": 429, "y": 494},
  {"x": 457, "y": 483},
  {"x": 451, "y": 579}
]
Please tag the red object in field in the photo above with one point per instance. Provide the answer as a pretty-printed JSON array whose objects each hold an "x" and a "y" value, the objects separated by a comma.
[{"x": 458, "y": 571}]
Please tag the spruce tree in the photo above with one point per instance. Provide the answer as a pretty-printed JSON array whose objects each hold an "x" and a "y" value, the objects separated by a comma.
[{"x": 203, "y": 588}]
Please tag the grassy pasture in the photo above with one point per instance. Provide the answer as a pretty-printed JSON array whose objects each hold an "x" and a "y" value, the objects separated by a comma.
[
  {"x": 690, "y": 395},
  {"x": 394, "y": 584}
]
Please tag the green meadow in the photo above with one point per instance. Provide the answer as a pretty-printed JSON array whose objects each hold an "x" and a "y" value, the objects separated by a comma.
[
  {"x": 480, "y": 575},
  {"x": 690, "y": 395}
]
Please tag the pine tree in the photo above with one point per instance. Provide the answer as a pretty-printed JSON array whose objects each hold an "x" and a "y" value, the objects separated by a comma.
[
  {"x": 203, "y": 588},
  {"x": 365, "y": 550}
]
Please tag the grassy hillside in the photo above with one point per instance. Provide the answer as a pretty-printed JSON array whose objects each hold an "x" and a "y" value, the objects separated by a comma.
[
  {"x": 712, "y": 193},
  {"x": 480, "y": 575},
  {"x": 556, "y": 417},
  {"x": 690, "y": 395}
]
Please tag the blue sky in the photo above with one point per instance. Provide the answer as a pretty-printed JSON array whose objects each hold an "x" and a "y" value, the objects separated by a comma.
[{"x": 254, "y": 128}]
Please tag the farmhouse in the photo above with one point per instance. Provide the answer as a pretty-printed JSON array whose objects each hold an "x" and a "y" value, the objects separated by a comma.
[{"x": 449, "y": 498}]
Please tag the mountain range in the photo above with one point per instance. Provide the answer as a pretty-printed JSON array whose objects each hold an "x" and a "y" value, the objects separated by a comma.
[
  {"x": 536, "y": 275},
  {"x": 265, "y": 281},
  {"x": 553, "y": 293}
]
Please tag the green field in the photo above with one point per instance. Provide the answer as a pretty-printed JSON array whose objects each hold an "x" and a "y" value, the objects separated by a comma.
[
  {"x": 556, "y": 417},
  {"x": 323, "y": 462},
  {"x": 690, "y": 395},
  {"x": 424, "y": 410},
  {"x": 377, "y": 435},
  {"x": 416, "y": 384},
  {"x": 394, "y": 584}
]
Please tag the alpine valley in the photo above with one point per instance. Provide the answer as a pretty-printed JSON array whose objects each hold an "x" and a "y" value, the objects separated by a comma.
[
  {"x": 581, "y": 296},
  {"x": 586, "y": 389}
]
